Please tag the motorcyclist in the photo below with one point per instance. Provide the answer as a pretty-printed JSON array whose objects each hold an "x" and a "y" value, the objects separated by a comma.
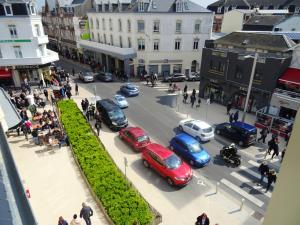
[{"x": 230, "y": 151}]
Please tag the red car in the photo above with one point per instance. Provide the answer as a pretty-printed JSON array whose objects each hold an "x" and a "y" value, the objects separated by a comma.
[
  {"x": 167, "y": 164},
  {"x": 135, "y": 137}
]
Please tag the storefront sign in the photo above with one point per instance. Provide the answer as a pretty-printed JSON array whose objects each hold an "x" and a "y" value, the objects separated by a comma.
[
  {"x": 31, "y": 66},
  {"x": 15, "y": 41}
]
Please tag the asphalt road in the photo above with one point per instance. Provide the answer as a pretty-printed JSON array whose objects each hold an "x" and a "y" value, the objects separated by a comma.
[{"x": 153, "y": 111}]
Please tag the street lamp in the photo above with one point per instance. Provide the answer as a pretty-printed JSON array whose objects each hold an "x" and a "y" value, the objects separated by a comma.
[{"x": 250, "y": 83}]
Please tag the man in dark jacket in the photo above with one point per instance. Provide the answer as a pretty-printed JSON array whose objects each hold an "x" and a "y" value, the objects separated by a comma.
[
  {"x": 264, "y": 170},
  {"x": 263, "y": 134},
  {"x": 202, "y": 220},
  {"x": 85, "y": 213},
  {"x": 98, "y": 126},
  {"x": 229, "y": 105},
  {"x": 272, "y": 177}
]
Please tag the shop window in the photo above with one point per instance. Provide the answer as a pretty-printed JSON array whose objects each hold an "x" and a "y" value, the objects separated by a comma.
[
  {"x": 141, "y": 44},
  {"x": 177, "y": 68},
  {"x": 238, "y": 72}
]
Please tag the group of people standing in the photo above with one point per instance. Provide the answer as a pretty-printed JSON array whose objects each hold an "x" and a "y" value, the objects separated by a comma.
[
  {"x": 193, "y": 97},
  {"x": 86, "y": 213},
  {"x": 90, "y": 112}
]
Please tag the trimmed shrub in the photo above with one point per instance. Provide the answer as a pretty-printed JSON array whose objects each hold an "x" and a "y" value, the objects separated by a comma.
[{"x": 123, "y": 204}]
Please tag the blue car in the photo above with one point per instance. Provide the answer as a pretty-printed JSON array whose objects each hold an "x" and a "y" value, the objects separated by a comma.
[
  {"x": 190, "y": 149},
  {"x": 129, "y": 89}
]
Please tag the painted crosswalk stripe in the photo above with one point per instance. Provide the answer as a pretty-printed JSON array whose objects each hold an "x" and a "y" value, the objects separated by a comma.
[
  {"x": 250, "y": 172},
  {"x": 242, "y": 192},
  {"x": 253, "y": 163}
]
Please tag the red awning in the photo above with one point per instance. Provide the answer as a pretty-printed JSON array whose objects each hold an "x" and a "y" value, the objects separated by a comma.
[
  {"x": 5, "y": 73},
  {"x": 291, "y": 77}
]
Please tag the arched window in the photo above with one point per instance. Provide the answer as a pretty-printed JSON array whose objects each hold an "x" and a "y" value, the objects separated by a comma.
[
  {"x": 128, "y": 25},
  {"x": 120, "y": 25}
]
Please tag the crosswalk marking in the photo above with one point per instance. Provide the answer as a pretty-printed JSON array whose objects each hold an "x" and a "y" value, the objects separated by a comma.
[
  {"x": 250, "y": 172},
  {"x": 253, "y": 163},
  {"x": 240, "y": 191}
]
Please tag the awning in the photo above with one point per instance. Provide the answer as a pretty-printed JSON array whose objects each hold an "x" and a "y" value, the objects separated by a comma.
[
  {"x": 5, "y": 73},
  {"x": 291, "y": 77}
]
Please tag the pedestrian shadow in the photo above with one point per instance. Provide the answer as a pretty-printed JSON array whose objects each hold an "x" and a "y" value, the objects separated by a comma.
[
  {"x": 220, "y": 162},
  {"x": 176, "y": 130},
  {"x": 167, "y": 100}
]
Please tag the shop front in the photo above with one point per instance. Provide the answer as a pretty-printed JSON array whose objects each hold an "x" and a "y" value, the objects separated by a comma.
[
  {"x": 214, "y": 91},
  {"x": 6, "y": 77}
]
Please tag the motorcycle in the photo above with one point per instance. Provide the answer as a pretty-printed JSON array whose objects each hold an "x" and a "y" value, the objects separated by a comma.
[{"x": 229, "y": 155}]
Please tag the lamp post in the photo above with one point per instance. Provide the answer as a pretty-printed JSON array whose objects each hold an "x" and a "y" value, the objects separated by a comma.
[{"x": 250, "y": 84}]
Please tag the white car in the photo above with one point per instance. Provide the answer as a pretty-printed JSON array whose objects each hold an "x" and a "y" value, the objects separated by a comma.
[
  {"x": 121, "y": 101},
  {"x": 202, "y": 131},
  {"x": 86, "y": 76}
]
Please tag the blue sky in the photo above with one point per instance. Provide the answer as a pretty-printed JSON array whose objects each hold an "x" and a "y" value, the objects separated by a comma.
[{"x": 204, "y": 3}]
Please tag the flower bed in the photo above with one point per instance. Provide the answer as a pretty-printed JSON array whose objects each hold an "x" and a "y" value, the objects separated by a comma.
[{"x": 123, "y": 204}]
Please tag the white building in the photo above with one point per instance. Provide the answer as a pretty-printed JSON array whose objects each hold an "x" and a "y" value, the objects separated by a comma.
[
  {"x": 23, "y": 52},
  {"x": 153, "y": 36}
]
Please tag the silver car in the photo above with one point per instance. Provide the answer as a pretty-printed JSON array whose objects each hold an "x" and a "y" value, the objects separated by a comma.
[{"x": 86, "y": 76}]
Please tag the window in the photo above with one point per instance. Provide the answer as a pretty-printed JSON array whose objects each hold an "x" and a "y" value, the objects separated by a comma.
[
  {"x": 13, "y": 31},
  {"x": 97, "y": 23},
  {"x": 156, "y": 45},
  {"x": 121, "y": 42},
  {"x": 41, "y": 50},
  {"x": 103, "y": 24},
  {"x": 98, "y": 36},
  {"x": 18, "y": 52},
  {"x": 37, "y": 30},
  {"x": 221, "y": 67},
  {"x": 32, "y": 9},
  {"x": 141, "y": 44},
  {"x": 238, "y": 72},
  {"x": 91, "y": 23},
  {"x": 257, "y": 75},
  {"x": 196, "y": 44},
  {"x": 197, "y": 27},
  {"x": 141, "y": 7},
  {"x": 111, "y": 40},
  {"x": 110, "y": 25},
  {"x": 179, "y": 6},
  {"x": 120, "y": 25},
  {"x": 219, "y": 10},
  {"x": 93, "y": 37},
  {"x": 178, "y": 26},
  {"x": 8, "y": 10},
  {"x": 177, "y": 68},
  {"x": 196, "y": 128},
  {"x": 104, "y": 36},
  {"x": 129, "y": 42},
  {"x": 177, "y": 44},
  {"x": 156, "y": 26},
  {"x": 141, "y": 26},
  {"x": 128, "y": 25}
]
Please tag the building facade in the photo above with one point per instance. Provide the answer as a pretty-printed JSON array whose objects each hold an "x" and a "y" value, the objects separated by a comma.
[
  {"x": 138, "y": 37},
  {"x": 226, "y": 68},
  {"x": 23, "y": 52}
]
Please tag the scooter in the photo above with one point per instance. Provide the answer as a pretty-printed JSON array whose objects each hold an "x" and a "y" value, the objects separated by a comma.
[{"x": 233, "y": 159}]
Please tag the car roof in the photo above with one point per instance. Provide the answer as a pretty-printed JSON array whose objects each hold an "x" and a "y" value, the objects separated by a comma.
[
  {"x": 136, "y": 131},
  {"x": 118, "y": 96},
  {"x": 243, "y": 125},
  {"x": 201, "y": 124},
  {"x": 108, "y": 104},
  {"x": 185, "y": 138},
  {"x": 159, "y": 150}
]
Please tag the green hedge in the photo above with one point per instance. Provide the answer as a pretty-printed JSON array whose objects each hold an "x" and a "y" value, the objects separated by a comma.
[{"x": 122, "y": 203}]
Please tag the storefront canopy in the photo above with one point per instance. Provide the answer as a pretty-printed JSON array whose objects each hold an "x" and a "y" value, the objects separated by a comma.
[
  {"x": 5, "y": 74},
  {"x": 291, "y": 77}
]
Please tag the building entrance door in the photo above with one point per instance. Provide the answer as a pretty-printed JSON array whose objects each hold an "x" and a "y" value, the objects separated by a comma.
[{"x": 165, "y": 70}]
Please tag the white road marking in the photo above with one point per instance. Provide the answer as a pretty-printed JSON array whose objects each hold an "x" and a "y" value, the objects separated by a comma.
[
  {"x": 237, "y": 189},
  {"x": 240, "y": 177},
  {"x": 253, "y": 163},
  {"x": 250, "y": 172}
]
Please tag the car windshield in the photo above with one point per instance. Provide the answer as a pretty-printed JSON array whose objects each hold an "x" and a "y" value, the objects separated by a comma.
[
  {"x": 173, "y": 162},
  {"x": 130, "y": 87},
  {"x": 207, "y": 130},
  {"x": 87, "y": 74},
  {"x": 120, "y": 98},
  {"x": 107, "y": 75},
  {"x": 195, "y": 147},
  {"x": 142, "y": 138},
  {"x": 116, "y": 114}
]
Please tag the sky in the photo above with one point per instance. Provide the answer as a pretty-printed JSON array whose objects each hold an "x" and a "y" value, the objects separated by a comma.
[{"x": 203, "y": 3}]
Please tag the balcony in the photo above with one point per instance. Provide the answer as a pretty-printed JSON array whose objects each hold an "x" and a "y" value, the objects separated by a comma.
[
  {"x": 50, "y": 56},
  {"x": 41, "y": 39}
]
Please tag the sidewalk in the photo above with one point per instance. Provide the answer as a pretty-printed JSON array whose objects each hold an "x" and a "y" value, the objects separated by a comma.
[
  {"x": 53, "y": 180},
  {"x": 220, "y": 207}
]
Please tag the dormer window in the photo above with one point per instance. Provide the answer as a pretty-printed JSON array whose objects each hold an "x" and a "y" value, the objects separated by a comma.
[
  {"x": 179, "y": 6},
  {"x": 141, "y": 6},
  {"x": 110, "y": 7},
  {"x": 8, "y": 9},
  {"x": 32, "y": 9}
]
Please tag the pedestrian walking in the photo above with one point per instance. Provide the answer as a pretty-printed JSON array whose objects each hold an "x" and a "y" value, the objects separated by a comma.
[
  {"x": 73, "y": 71},
  {"x": 229, "y": 106},
  {"x": 202, "y": 220},
  {"x": 46, "y": 94},
  {"x": 76, "y": 89},
  {"x": 194, "y": 93},
  {"x": 282, "y": 154},
  {"x": 199, "y": 103},
  {"x": 236, "y": 116},
  {"x": 86, "y": 102},
  {"x": 275, "y": 150},
  {"x": 98, "y": 126},
  {"x": 264, "y": 170},
  {"x": 76, "y": 220},
  {"x": 86, "y": 213},
  {"x": 62, "y": 221},
  {"x": 69, "y": 94},
  {"x": 147, "y": 80},
  {"x": 185, "y": 89},
  {"x": 272, "y": 177},
  {"x": 231, "y": 117},
  {"x": 185, "y": 97},
  {"x": 263, "y": 134},
  {"x": 83, "y": 105},
  {"x": 193, "y": 99}
]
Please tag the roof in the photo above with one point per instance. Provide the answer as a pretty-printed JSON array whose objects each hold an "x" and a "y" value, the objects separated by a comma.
[
  {"x": 290, "y": 35},
  {"x": 185, "y": 138},
  {"x": 16, "y": 1},
  {"x": 265, "y": 20},
  {"x": 201, "y": 124},
  {"x": 136, "y": 131},
  {"x": 291, "y": 77},
  {"x": 160, "y": 150},
  {"x": 268, "y": 41},
  {"x": 108, "y": 104},
  {"x": 9, "y": 116},
  {"x": 245, "y": 126},
  {"x": 284, "y": 3}
]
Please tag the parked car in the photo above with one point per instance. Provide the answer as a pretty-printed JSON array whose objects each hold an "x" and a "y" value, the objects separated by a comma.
[
  {"x": 105, "y": 76},
  {"x": 121, "y": 101},
  {"x": 194, "y": 76},
  {"x": 86, "y": 76},
  {"x": 190, "y": 149},
  {"x": 129, "y": 89},
  {"x": 135, "y": 137},
  {"x": 201, "y": 130},
  {"x": 111, "y": 114},
  {"x": 242, "y": 133},
  {"x": 167, "y": 164},
  {"x": 175, "y": 77}
]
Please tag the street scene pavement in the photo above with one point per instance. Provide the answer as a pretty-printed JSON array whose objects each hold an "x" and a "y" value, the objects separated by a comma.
[{"x": 158, "y": 112}]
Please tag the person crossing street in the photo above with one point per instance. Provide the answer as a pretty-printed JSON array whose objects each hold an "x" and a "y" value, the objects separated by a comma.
[
  {"x": 263, "y": 134},
  {"x": 264, "y": 170},
  {"x": 272, "y": 177}
]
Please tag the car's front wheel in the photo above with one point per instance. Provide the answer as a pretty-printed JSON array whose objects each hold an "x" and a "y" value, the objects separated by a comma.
[
  {"x": 180, "y": 128},
  {"x": 146, "y": 164},
  {"x": 170, "y": 181},
  {"x": 198, "y": 139},
  {"x": 218, "y": 132}
]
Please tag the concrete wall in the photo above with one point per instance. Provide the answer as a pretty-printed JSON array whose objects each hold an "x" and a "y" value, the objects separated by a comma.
[
  {"x": 284, "y": 206},
  {"x": 232, "y": 21}
]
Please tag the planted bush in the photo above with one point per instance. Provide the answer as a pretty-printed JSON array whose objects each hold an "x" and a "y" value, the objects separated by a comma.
[{"x": 123, "y": 204}]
